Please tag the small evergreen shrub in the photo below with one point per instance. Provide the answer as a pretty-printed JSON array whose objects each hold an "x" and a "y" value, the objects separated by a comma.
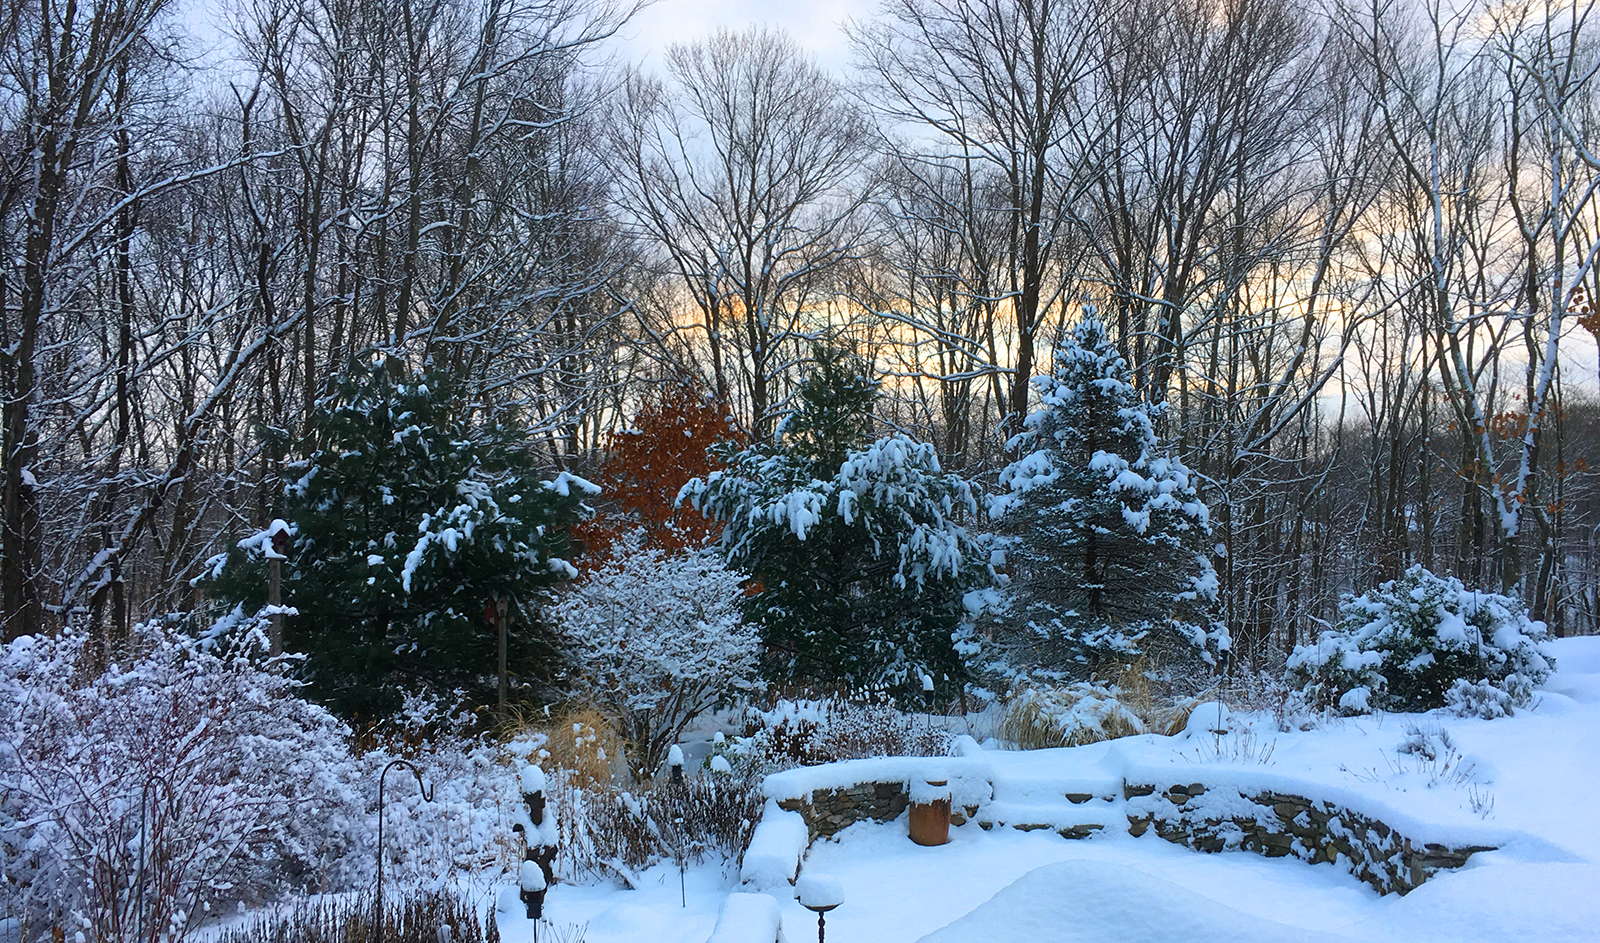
[
  {"x": 1423, "y": 642},
  {"x": 864, "y": 573},
  {"x": 412, "y": 511}
]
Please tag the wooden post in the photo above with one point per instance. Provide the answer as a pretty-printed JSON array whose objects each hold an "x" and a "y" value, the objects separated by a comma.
[
  {"x": 930, "y": 812},
  {"x": 275, "y": 603},
  {"x": 276, "y": 552},
  {"x": 503, "y": 683}
]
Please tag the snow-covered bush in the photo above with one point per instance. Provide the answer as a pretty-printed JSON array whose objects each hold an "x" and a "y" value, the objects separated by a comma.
[
  {"x": 1422, "y": 642},
  {"x": 410, "y": 514},
  {"x": 1068, "y": 716},
  {"x": 467, "y": 828},
  {"x": 657, "y": 639},
  {"x": 609, "y": 833},
  {"x": 246, "y": 789},
  {"x": 1484, "y": 699},
  {"x": 860, "y": 552},
  {"x": 809, "y": 732}
]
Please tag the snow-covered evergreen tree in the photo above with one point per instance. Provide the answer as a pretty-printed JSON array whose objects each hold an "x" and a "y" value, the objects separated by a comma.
[
  {"x": 1109, "y": 538},
  {"x": 657, "y": 638},
  {"x": 1422, "y": 642},
  {"x": 859, "y": 552},
  {"x": 406, "y": 521}
]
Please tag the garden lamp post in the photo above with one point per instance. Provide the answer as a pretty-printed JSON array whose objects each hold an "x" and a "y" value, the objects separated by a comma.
[
  {"x": 820, "y": 894},
  {"x": 530, "y": 878}
]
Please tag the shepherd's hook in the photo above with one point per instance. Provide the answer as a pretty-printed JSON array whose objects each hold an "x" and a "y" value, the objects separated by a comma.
[{"x": 427, "y": 796}]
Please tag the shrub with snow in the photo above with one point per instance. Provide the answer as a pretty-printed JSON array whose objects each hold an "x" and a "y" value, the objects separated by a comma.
[
  {"x": 1422, "y": 642},
  {"x": 266, "y": 795},
  {"x": 245, "y": 788},
  {"x": 610, "y": 833},
  {"x": 809, "y": 732},
  {"x": 657, "y": 639},
  {"x": 409, "y": 515}
]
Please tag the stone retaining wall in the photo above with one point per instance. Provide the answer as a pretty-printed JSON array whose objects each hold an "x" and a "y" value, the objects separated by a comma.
[
  {"x": 1278, "y": 824},
  {"x": 828, "y": 811}
]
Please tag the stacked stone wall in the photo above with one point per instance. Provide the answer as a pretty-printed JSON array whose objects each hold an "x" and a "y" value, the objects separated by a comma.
[
  {"x": 1218, "y": 818},
  {"x": 829, "y": 811},
  {"x": 1278, "y": 825}
]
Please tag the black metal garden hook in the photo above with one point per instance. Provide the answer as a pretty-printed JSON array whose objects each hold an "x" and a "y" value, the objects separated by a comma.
[
  {"x": 154, "y": 779},
  {"x": 427, "y": 796}
]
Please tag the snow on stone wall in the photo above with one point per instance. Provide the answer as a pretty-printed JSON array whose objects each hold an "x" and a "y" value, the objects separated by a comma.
[
  {"x": 1240, "y": 810},
  {"x": 1276, "y": 824}
]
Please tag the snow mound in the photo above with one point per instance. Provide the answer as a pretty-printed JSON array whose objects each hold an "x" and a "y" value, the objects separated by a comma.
[
  {"x": 748, "y": 918},
  {"x": 1101, "y": 902},
  {"x": 779, "y": 841}
]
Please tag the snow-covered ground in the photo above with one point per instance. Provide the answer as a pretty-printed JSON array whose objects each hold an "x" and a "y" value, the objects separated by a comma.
[{"x": 1529, "y": 784}]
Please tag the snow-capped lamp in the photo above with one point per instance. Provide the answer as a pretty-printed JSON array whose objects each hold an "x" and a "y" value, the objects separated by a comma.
[
  {"x": 675, "y": 764},
  {"x": 531, "y": 879},
  {"x": 819, "y": 894},
  {"x": 536, "y": 822}
]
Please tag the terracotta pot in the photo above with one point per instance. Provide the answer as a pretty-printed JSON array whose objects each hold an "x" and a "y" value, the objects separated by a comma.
[{"x": 930, "y": 820}]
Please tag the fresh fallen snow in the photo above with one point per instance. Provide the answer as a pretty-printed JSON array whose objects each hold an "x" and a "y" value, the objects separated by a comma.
[
  {"x": 775, "y": 848},
  {"x": 1106, "y": 903},
  {"x": 746, "y": 918},
  {"x": 1540, "y": 768}
]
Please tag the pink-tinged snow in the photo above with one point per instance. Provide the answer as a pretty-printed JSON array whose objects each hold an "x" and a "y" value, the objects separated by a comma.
[{"x": 1541, "y": 768}]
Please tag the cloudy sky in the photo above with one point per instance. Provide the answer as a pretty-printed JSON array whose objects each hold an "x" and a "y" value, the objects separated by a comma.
[{"x": 814, "y": 23}]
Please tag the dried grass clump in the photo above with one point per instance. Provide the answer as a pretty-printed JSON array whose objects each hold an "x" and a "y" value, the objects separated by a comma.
[
  {"x": 408, "y": 918},
  {"x": 1124, "y": 702},
  {"x": 583, "y": 742},
  {"x": 1067, "y": 716},
  {"x": 1173, "y": 717}
]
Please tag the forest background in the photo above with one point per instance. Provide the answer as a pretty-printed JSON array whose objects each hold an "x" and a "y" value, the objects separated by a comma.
[{"x": 1347, "y": 245}]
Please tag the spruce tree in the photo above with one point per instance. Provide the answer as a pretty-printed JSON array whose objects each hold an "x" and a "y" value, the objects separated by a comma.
[
  {"x": 859, "y": 557},
  {"x": 1109, "y": 539},
  {"x": 406, "y": 521}
]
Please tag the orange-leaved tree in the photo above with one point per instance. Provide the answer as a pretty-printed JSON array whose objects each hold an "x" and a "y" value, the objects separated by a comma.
[{"x": 669, "y": 443}]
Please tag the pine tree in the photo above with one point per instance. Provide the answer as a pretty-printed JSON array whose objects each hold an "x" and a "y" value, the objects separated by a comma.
[
  {"x": 1109, "y": 538},
  {"x": 835, "y": 411},
  {"x": 859, "y": 557},
  {"x": 406, "y": 521}
]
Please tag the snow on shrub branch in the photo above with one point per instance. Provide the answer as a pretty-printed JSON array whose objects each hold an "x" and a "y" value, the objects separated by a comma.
[
  {"x": 1422, "y": 642},
  {"x": 259, "y": 780},
  {"x": 657, "y": 639}
]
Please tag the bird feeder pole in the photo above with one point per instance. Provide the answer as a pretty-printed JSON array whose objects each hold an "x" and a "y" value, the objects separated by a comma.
[
  {"x": 497, "y": 613},
  {"x": 276, "y": 553},
  {"x": 427, "y": 796}
]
